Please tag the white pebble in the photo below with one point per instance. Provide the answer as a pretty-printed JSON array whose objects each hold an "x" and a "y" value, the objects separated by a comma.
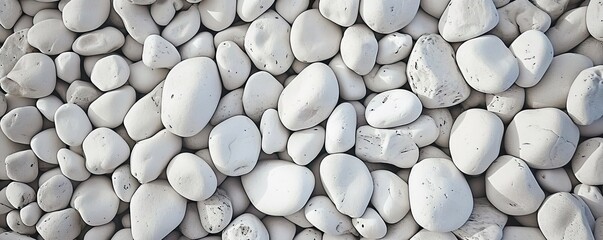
[
  {"x": 314, "y": 38},
  {"x": 359, "y": 48},
  {"x": 185, "y": 171},
  {"x": 104, "y": 150},
  {"x": 393, "y": 108},
  {"x": 235, "y": 145},
  {"x": 151, "y": 156},
  {"x": 95, "y": 200}
]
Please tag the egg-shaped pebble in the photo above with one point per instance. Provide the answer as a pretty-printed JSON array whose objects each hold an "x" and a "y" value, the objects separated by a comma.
[
  {"x": 21, "y": 124},
  {"x": 100, "y": 41},
  {"x": 72, "y": 124},
  {"x": 46, "y": 144},
  {"x": 110, "y": 72},
  {"x": 124, "y": 184},
  {"x": 54, "y": 194},
  {"x": 159, "y": 53},
  {"x": 304, "y": 145},
  {"x": 440, "y": 198},
  {"x": 564, "y": 215},
  {"x": 511, "y": 186},
  {"x": 583, "y": 95},
  {"x": 394, "y": 47},
  {"x": 191, "y": 93},
  {"x": 95, "y": 200},
  {"x": 63, "y": 224},
  {"x": 261, "y": 92},
  {"x": 104, "y": 150},
  {"x": 322, "y": 214},
  {"x": 22, "y": 166},
  {"x": 586, "y": 162},
  {"x": 351, "y": 85},
  {"x": 309, "y": 98},
  {"x": 33, "y": 76},
  {"x": 534, "y": 54},
  {"x": 143, "y": 119},
  {"x": 433, "y": 74},
  {"x": 137, "y": 19},
  {"x": 388, "y": 16},
  {"x": 545, "y": 138},
  {"x": 168, "y": 209},
  {"x": 77, "y": 19},
  {"x": 30, "y": 214},
  {"x": 313, "y": 37},
  {"x": 151, "y": 156},
  {"x": 487, "y": 64},
  {"x": 233, "y": 64},
  {"x": 274, "y": 134},
  {"x": 109, "y": 109},
  {"x": 464, "y": 19},
  {"x": 185, "y": 171},
  {"x": 68, "y": 66},
  {"x": 72, "y": 165},
  {"x": 359, "y": 48},
  {"x": 340, "y": 131},
  {"x": 183, "y": 27},
  {"x": 342, "y": 12},
  {"x": 288, "y": 185},
  {"x": 267, "y": 43},
  {"x": 215, "y": 212},
  {"x": 406, "y": 106},
  {"x": 19, "y": 194},
  {"x": 216, "y": 14},
  {"x": 370, "y": 225},
  {"x": 473, "y": 151},
  {"x": 348, "y": 183},
  {"x": 235, "y": 145},
  {"x": 386, "y": 146},
  {"x": 50, "y": 37},
  {"x": 390, "y": 196}
]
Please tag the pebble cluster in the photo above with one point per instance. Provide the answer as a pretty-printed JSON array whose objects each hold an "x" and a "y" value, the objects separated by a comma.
[{"x": 301, "y": 119}]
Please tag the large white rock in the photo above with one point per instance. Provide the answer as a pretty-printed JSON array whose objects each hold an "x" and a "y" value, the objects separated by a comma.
[
  {"x": 511, "y": 186},
  {"x": 217, "y": 14},
  {"x": 473, "y": 151},
  {"x": 314, "y": 38},
  {"x": 95, "y": 200},
  {"x": 569, "y": 30},
  {"x": 390, "y": 196},
  {"x": 564, "y": 215},
  {"x": 487, "y": 64},
  {"x": 386, "y": 146},
  {"x": 78, "y": 17},
  {"x": 155, "y": 210},
  {"x": 594, "y": 19},
  {"x": 72, "y": 124},
  {"x": 33, "y": 76},
  {"x": 104, "y": 150},
  {"x": 340, "y": 131},
  {"x": 278, "y": 187},
  {"x": 586, "y": 163},
  {"x": 191, "y": 177},
  {"x": 151, "y": 156},
  {"x": 433, "y": 73},
  {"x": 466, "y": 19},
  {"x": 246, "y": 226},
  {"x": 534, "y": 53},
  {"x": 63, "y": 224},
  {"x": 341, "y": 12},
  {"x": 584, "y": 96},
  {"x": 267, "y": 43},
  {"x": 485, "y": 222},
  {"x": 545, "y": 138},
  {"x": 440, "y": 197},
  {"x": 191, "y": 93},
  {"x": 310, "y": 98},
  {"x": 235, "y": 145},
  {"x": 51, "y": 37},
  {"x": 359, "y": 48},
  {"x": 393, "y": 108},
  {"x": 388, "y": 16},
  {"x": 347, "y": 182}
]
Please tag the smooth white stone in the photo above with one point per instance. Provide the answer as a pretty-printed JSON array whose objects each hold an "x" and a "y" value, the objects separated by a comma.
[
  {"x": 393, "y": 108},
  {"x": 159, "y": 53},
  {"x": 386, "y": 77},
  {"x": 72, "y": 165},
  {"x": 215, "y": 212},
  {"x": 564, "y": 215},
  {"x": 359, "y": 48},
  {"x": 274, "y": 134},
  {"x": 322, "y": 214},
  {"x": 463, "y": 19},
  {"x": 305, "y": 145},
  {"x": 33, "y": 76},
  {"x": 51, "y": 37},
  {"x": 390, "y": 196},
  {"x": 104, "y": 150},
  {"x": 245, "y": 226},
  {"x": 386, "y": 146},
  {"x": 21, "y": 124},
  {"x": 314, "y": 38},
  {"x": 340, "y": 131},
  {"x": 95, "y": 200},
  {"x": 267, "y": 42},
  {"x": 110, "y": 109},
  {"x": 63, "y": 224},
  {"x": 185, "y": 171},
  {"x": 124, "y": 184},
  {"x": 151, "y": 156},
  {"x": 235, "y": 145},
  {"x": 534, "y": 53},
  {"x": 102, "y": 41},
  {"x": 183, "y": 27},
  {"x": 217, "y": 15},
  {"x": 143, "y": 119},
  {"x": 388, "y": 16},
  {"x": 72, "y": 124},
  {"x": 54, "y": 194},
  {"x": 77, "y": 16},
  {"x": 46, "y": 144},
  {"x": 586, "y": 162}
]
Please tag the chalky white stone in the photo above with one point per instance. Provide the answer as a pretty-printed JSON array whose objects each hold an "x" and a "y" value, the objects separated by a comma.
[
  {"x": 104, "y": 150},
  {"x": 72, "y": 165},
  {"x": 267, "y": 42},
  {"x": 54, "y": 194},
  {"x": 78, "y": 17},
  {"x": 274, "y": 134},
  {"x": 22, "y": 166},
  {"x": 278, "y": 187},
  {"x": 310, "y": 98},
  {"x": 314, "y": 38},
  {"x": 191, "y": 93},
  {"x": 235, "y": 145},
  {"x": 390, "y": 196},
  {"x": 110, "y": 73},
  {"x": 50, "y": 37},
  {"x": 341, "y": 12},
  {"x": 137, "y": 20},
  {"x": 33, "y": 76},
  {"x": 340, "y": 132},
  {"x": 151, "y": 156},
  {"x": 110, "y": 108},
  {"x": 63, "y": 224},
  {"x": 191, "y": 177},
  {"x": 101, "y": 41},
  {"x": 463, "y": 20},
  {"x": 586, "y": 161},
  {"x": 440, "y": 198},
  {"x": 95, "y": 200},
  {"x": 359, "y": 48},
  {"x": 393, "y": 108},
  {"x": 487, "y": 64},
  {"x": 534, "y": 54},
  {"x": 233, "y": 64},
  {"x": 485, "y": 221},
  {"x": 473, "y": 151},
  {"x": 563, "y": 215},
  {"x": 245, "y": 226},
  {"x": 159, "y": 53},
  {"x": 386, "y": 146},
  {"x": 168, "y": 209},
  {"x": 388, "y": 16},
  {"x": 72, "y": 124},
  {"x": 304, "y": 146},
  {"x": 583, "y": 95},
  {"x": 545, "y": 138},
  {"x": 215, "y": 212},
  {"x": 322, "y": 214},
  {"x": 511, "y": 186},
  {"x": 347, "y": 182},
  {"x": 261, "y": 92},
  {"x": 433, "y": 74}
]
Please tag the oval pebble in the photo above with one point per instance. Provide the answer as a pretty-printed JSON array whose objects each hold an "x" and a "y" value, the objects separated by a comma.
[
  {"x": 274, "y": 134},
  {"x": 22, "y": 166},
  {"x": 191, "y": 93},
  {"x": 110, "y": 108},
  {"x": 586, "y": 162},
  {"x": 333, "y": 11},
  {"x": 19, "y": 194},
  {"x": 72, "y": 124},
  {"x": 143, "y": 119},
  {"x": 185, "y": 171},
  {"x": 54, "y": 194},
  {"x": 278, "y": 179},
  {"x": 101, "y": 41},
  {"x": 359, "y": 48},
  {"x": 245, "y": 226},
  {"x": 151, "y": 156},
  {"x": 104, "y": 150},
  {"x": 463, "y": 19},
  {"x": 583, "y": 94},
  {"x": 159, "y": 53},
  {"x": 405, "y": 104},
  {"x": 370, "y": 225},
  {"x": 534, "y": 54},
  {"x": 554, "y": 217},
  {"x": 77, "y": 19},
  {"x": 314, "y": 38},
  {"x": 110, "y": 72},
  {"x": 30, "y": 214},
  {"x": 310, "y": 97},
  {"x": 21, "y": 124},
  {"x": 63, "y": 224},
  {"x": 95, "y": 200},
  {"x": 51, "y": 37},
  {"x": 267, "y": 42},
  {"x": 388, "y": 16},
  {"x": 440, "y": 198},
  {"x": 347, "y": 182},
  {"x": 33, "y": 76},
  {"x": 215, "y": 211},
  {"x": 183, "y": 27},
  {"x": 235, "y": 145},
  {"x": 340, "y": 131},
  {"x": 233, "y": 64},
  {"x": 261, "y": 92},
  {"x": 217, "y": 14}
]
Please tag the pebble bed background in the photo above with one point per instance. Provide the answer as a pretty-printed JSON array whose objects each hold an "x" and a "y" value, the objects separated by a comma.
[{"x": 301, "y": 119}]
